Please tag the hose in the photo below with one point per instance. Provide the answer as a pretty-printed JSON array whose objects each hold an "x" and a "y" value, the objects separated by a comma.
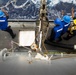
[{"x": 68, "y": 46}]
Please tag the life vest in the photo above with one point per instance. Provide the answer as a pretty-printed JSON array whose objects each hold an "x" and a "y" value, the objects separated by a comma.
[
  {"x": 73, "y": 28},
  {"x": 3, "y": 23},
  {"x": 65, "y": 27},
  {"x": 57, "y": 31}
]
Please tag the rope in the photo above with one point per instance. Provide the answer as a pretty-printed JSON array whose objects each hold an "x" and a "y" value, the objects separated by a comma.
[
  {"x": 44, "y": 40},
  {"x": 22, "y": 46}
]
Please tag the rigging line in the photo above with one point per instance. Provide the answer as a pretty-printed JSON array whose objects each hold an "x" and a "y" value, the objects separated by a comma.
[{"x": 22, "y": 46}]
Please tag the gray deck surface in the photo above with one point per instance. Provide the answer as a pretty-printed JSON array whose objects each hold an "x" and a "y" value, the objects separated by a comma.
[{"x": 14, "y": 65}]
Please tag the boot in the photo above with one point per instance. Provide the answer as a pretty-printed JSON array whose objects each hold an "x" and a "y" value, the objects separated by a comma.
[
  {"x": 10, "y": 31},
  {"x": 13, "y": 36}
]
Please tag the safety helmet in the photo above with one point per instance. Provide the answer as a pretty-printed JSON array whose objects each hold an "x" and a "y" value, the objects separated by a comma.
[
  {"x": 57, "y": 21},
  {"x": 1, "y": 13},
  {"x": 74, "y": 21},
  {"x": 66, "y": 19}
]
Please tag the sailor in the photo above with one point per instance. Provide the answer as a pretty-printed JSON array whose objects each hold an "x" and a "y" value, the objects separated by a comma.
[
  {"x": 56, "y": 31},
  {"x": 4, "y": 23},
  {"x": 66, "y": 23}
]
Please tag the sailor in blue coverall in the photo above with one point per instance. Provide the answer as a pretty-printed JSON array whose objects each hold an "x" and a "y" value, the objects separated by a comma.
[
  {"x": 4, "y": 23},
  {"x": 72, "y": 28},
  {"x": 66, "y": 23},
  {"x": 56, "y": 31}
]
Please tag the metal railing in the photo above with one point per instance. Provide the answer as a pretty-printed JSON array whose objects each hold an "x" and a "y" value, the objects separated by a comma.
[{"x": 25, "y": 20}]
